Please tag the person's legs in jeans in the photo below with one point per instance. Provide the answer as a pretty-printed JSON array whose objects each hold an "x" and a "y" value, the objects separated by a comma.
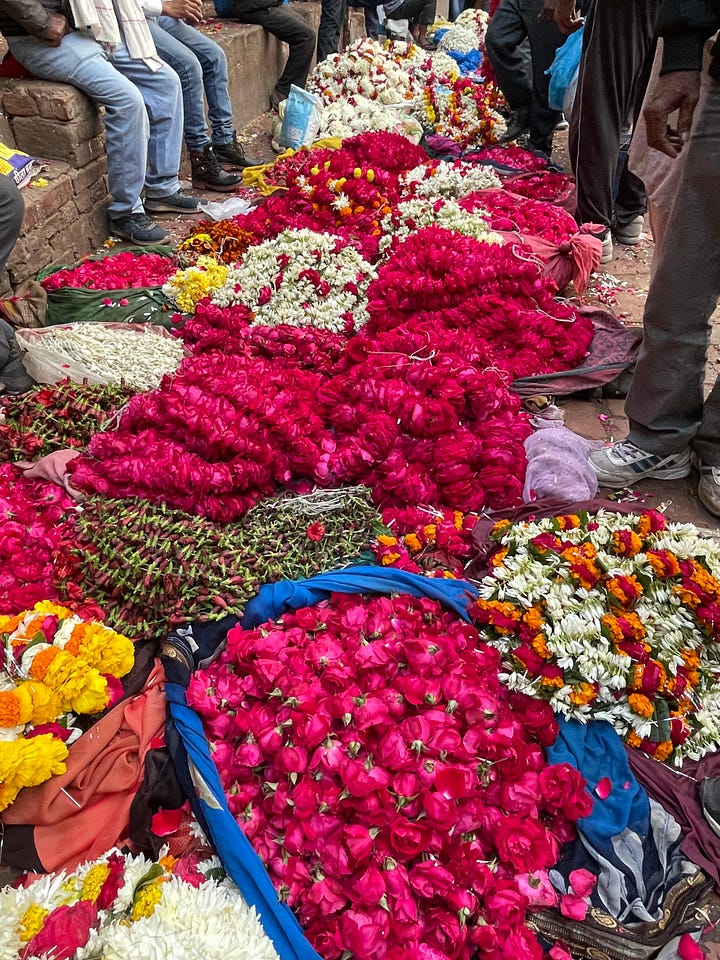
[
  {"x": 12, "y": 208},
  {"x": 618, "y": 36},
  {"x": 289, "y": 27},
  {"x": 544, "y": 38},
  {"x": 162, "y": 95},
  {"x": 215, "y": 76},
  {"x": 187, "y": 66},
  {"x": 505, "y": 34},
  {"x": 665, "y": 402},
  {"x": 81, "y": 61},
  {"x": 332, "y": 17}
]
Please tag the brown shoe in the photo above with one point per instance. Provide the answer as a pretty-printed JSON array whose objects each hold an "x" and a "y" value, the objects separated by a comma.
[{"x": 207, "y": 174}]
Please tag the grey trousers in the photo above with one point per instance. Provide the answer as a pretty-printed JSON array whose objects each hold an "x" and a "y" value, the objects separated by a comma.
[
  {"x": 12, "y": 208},
  {"x": 665, "y": 404},
  {"x": 617, "y": 47}
]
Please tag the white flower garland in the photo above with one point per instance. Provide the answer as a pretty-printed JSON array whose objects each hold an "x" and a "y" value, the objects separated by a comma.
[
  {"x": 343, "y": 118},
  {"x": 409, "y": 216},
  {"x": 450, "y": 180},
  {"x": 365, "y": 68},
  {"x": 574, "y": 634},
  {"x": 301, "y": 278}
]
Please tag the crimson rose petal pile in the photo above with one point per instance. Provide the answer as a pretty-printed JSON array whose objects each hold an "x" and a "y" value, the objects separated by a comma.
[{"x": 396, "y": 791}]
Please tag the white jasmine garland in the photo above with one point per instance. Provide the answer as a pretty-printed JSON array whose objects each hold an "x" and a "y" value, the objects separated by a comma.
[
  {"x": 301, "y": 278},
  {"x": 409, "y": 216},
  {"x": 450, "y": 180},
  {"x": 459, "y": 39}
]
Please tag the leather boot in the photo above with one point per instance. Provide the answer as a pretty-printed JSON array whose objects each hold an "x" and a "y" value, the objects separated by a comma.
[{"x": 207, "y": 174}]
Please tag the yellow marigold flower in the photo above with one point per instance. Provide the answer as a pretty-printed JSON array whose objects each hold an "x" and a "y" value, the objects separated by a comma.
[
  {"x": 583, "y": 693},
  {"x": 500, "y": 525},
  {"x": 53, "y": 609},
  {"x": 32, "y": 922},
  {"x": 168, "y": 862},
  {"x": 557, "y": 682},
  {"x": 45, "y": 702},
  {"x": 640, "y": 705},
  {"x": 458, "y": 519},
  {"x": 448, "y": 575},
  {"x": 430, "y": 531},
  {"x": 93, "y": 882},
  {"x": 102, "y": 648},
  {"x": 412, "y": 542},
  {"x": 146, "y": 901},
  {"x": 8, "y": 794}
]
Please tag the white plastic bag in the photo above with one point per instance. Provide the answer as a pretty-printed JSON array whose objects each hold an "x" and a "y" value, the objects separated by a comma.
[{"x": 301, "y": 119}]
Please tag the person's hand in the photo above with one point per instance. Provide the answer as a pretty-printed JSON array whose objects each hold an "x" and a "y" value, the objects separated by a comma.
[
  {"x": 190, "y": 10},
  {"x": 55, "y": 30},
  {"x": 567, "y": 17},
  {"x": 52, "y": 468},
  {"x": 679, "y": 90}
]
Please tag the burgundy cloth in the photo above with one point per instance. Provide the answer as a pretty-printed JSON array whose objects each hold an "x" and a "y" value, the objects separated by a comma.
[
  {"x": 613, "y": 350},
  {"x": 572, "y": 260},
  {"x": 679, "y": 794},
  {"x": 10, "y": 67}
]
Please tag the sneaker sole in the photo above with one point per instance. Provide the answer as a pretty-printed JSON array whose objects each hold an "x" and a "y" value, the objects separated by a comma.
[
  {"x": 201, "y": 185},
  {"x": 137, "y": 241},
  {"x": 664, "y": 473},
  {"x": 627, "y": 241},
  {"x": 167, "y": 208}
]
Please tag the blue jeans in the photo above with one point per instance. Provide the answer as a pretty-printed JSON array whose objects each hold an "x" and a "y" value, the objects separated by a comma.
[
  {"x": 143, "y": 111},
  {"x": 200, "y": 63}
]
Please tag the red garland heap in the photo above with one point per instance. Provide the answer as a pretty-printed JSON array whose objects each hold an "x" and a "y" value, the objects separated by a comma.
[{"x": 396, "y": 791}]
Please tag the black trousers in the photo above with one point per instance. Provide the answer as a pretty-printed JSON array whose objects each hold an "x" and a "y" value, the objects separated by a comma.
[
  {"x": 617, "y": 47},
  {"x": 12, "y": 208},
  {"x": 526, "y": 91},
  {"x": 332, "y": 17},
  {"x": 289, "y": 27}
]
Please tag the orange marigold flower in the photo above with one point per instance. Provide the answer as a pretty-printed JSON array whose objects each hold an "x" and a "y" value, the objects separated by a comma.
[
  {"x": 640, "y": 705},
  {"x": 539, "y": 645},
  {"x": 533, "y": 617},
  {"x": 583, "y": 693},
  {"x": 498, "y": 559},
  {"x": 41, "y": 662},
  {"x": 663, "y": 750},
  {"x": 9, "y": 709},
  {"x": 626, "y": 543},
  {"x": 556, "y": 682},
  {"x": 633, "y": 740}
]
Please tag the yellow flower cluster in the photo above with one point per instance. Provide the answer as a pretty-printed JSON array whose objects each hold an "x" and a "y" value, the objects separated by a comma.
[
  {"x": 188, "y": 287},
  {"x": 27, "y": 763},
  {"x": 62, "y": 660}
]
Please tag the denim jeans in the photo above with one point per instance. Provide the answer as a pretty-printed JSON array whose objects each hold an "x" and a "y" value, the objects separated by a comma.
[
  {"x": 201, "y": 65},
  {"x": 143, "y": 111}
]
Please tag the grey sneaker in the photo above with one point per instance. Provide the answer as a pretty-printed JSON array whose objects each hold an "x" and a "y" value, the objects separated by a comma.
[
  {"x": 607, "y": 248},
  {"x": 139, "y": 229},
  {"x": 177, "y": 202},
  {"x": 623, "y": 463},
  {"x": 708, "y": 485},
  {"x": 629, "y": 233}
]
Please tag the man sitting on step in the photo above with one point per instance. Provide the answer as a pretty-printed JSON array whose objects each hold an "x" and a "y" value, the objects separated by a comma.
[
  {"x": 108, "y": 53},
  {"x": 278, "y": 19},
  {"x": 201, "y": 65}
]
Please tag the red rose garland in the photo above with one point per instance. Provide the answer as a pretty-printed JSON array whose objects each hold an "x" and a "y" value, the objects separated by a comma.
[
  {"x": 506, "y": 212},
  {"x": 378, "y": 766}
]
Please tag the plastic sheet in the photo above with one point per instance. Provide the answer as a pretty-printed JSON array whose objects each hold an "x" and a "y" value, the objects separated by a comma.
[{"x": 558, "y": 461}]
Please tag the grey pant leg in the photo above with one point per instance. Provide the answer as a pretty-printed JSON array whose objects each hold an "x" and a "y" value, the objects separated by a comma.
[
  {"x": 665, "y": 403},
  {"x": 332, "y": 18},
  {"x": 618, "y": 36},
  {"x": 12, "y": 207}
]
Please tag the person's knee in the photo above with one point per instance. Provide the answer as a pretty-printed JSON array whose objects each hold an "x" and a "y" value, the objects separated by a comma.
[{"x": 15, "y": 209}]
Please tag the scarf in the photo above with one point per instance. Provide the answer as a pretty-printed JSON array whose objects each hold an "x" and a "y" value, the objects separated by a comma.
[{"x": 112, "y": 20}]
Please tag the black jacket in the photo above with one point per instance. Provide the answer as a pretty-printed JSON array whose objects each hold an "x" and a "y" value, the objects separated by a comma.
[
  {"x": 685, "y": 25},
  {"x": 20, "y": 17}
]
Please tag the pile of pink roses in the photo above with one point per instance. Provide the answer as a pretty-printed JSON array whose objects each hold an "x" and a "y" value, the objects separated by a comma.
[
  {"x": 117, "y": 272},
  {"x": 33, "y": 524},
  {"x": 396, "y": 791},
  {"x": 505, "y": 212}
]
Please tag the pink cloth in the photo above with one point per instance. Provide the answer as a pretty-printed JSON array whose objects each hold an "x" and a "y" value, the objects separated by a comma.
[{"x": 83, "y": 813}]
